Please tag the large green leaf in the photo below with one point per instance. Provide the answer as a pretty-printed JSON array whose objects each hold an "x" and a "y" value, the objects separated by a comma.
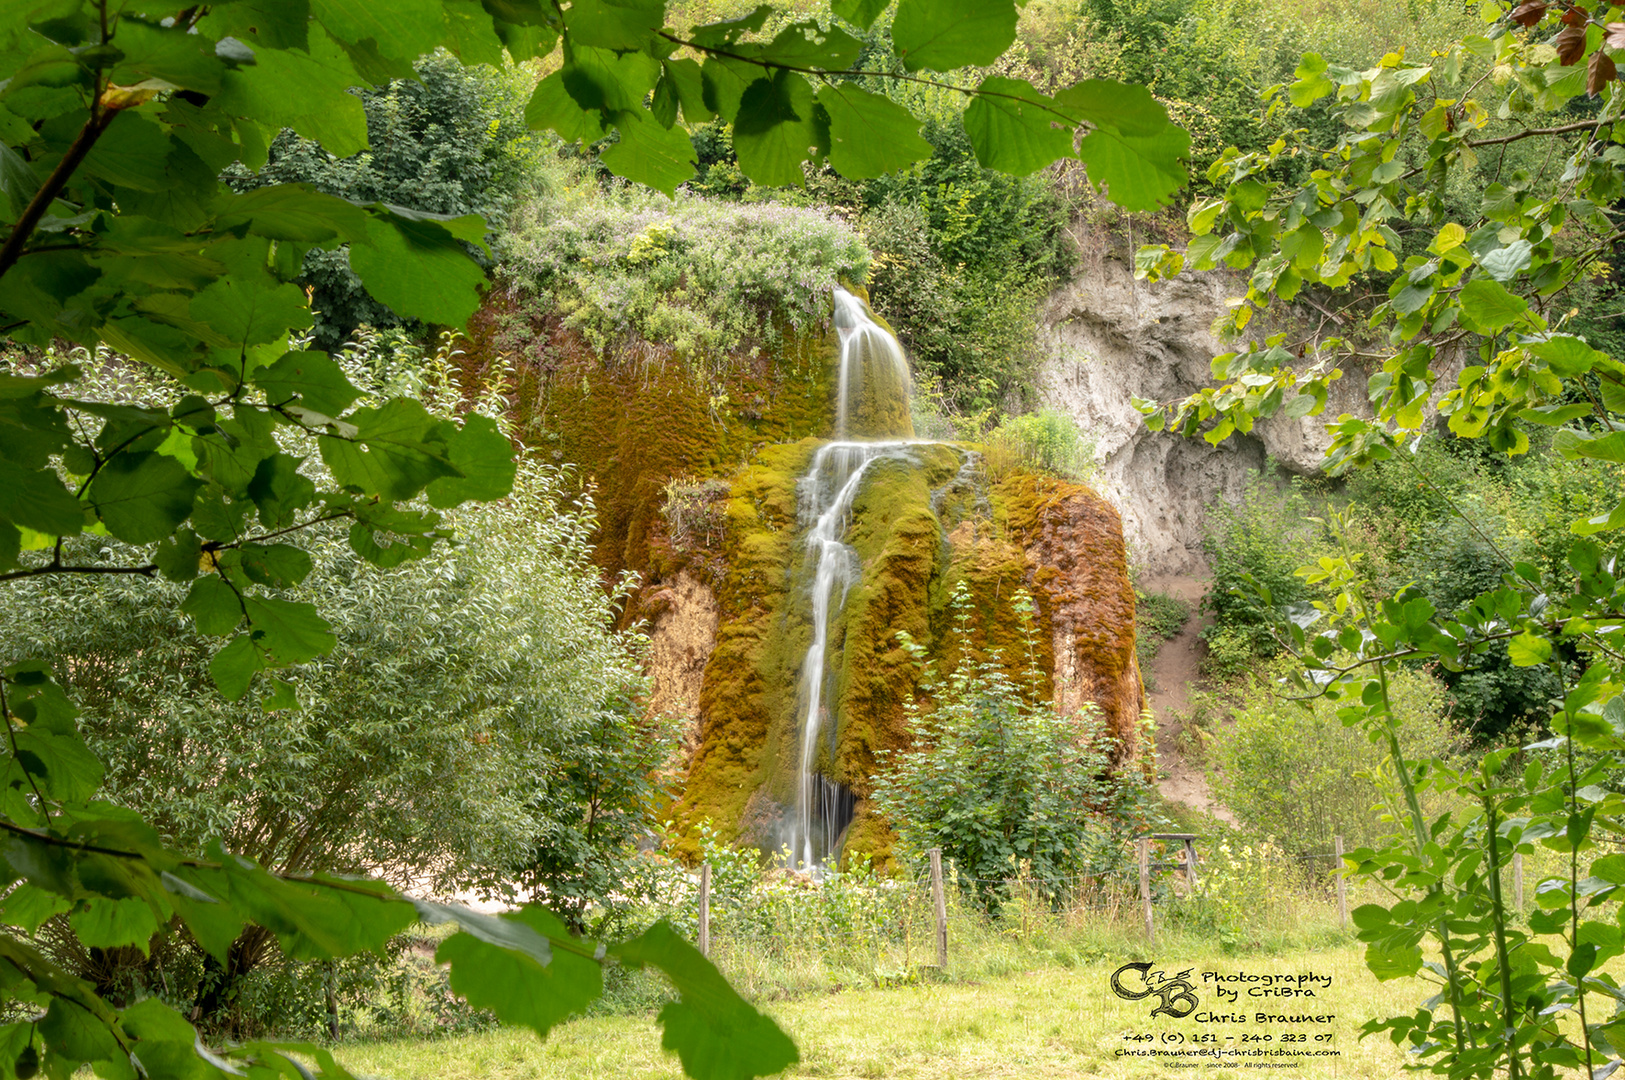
[
  {"x": 1139, "y": 172},
  {"x": 310, "y": 378},
  {"x": 213, "y": 605},
  {"x": 103, "y": 922},
  {"x": 551, "y": 107},
  {"x": 291, "y": 632},
  {"x": 1568, "y": 356},
  {"x": 397, "y": 452},
  {"x": 775, "y": 130},
  {"x": 614, "y": 24},
  {"x": 36, "y": 499},
  {"x": 1133, "y": 149},
  {"x": 716, "y": 1033},
  {"x": 279, "y": 490},
  {"x": 307, "y": 91},
  {"x": 131, "y": 154},
  {"x": 1490, "y": 306},
  {"x": 947, "y": 34},
  {"x": 809, "y": 45},
  {"x": 650, "y": 154},
  {"x": 143, "y": 497},
  {"x": 268, "y": 24},
  {"x": 859, "y": 13},
  {"x": 419, "y": 269},
  {"x": 609, "y": 81},
  {"x": 167, "y": 53},
  {"x": 251, "y": 309},
  {"x": 869, "y": 135},
  {"x": 506, "y": 964},
  {"x": 292, "y": 212},
  {"x": 1012, "y": 127},
  {"x": 78, "y": 1035},
  {"x": 318, "y": 918},
  {"x": 402, "y": 29},
  {"x": 56, "y": 757}
]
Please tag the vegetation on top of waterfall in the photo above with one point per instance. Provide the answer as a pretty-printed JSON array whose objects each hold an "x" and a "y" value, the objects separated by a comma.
[
  {"x": 1046, "y": 439},
  {"x": 638, "y": 274},
  {"x": 1009, "y": 787}
]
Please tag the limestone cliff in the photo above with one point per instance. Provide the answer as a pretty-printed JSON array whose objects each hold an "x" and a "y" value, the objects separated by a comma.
[{"x": 1109, "y": 338}]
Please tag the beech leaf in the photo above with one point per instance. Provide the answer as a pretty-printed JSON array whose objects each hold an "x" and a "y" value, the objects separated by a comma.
[
  {"x": 1570, "y": 44},
  {"x": 1529, "y": 14},
  {"x": 1600, "y": 71}
]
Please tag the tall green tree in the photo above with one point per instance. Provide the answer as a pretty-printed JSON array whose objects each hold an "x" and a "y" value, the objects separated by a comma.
[
  {"x": 116, "y": 123},
  {"x": 452, "y": 141}
]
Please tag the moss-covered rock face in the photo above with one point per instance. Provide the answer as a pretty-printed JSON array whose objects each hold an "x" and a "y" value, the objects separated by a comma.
[
  {"x": 633, "y": 426},
  {"x": 698, "y": 478},
  {"x": 921, "y": 524}
]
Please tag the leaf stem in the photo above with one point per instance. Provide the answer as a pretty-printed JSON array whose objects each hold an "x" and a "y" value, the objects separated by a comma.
[
  {"x": 1503, "y": 961},
  {"x": 35, "y": 211}
]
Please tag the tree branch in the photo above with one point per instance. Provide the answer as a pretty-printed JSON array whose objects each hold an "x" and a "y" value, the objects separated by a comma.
[
  {"x": 58, "y": 568},
  {"x": 1530, "y": 133},
  {"x": 30, "y": 219}
]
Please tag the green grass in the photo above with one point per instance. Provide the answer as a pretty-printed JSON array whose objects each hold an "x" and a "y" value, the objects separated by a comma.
[
  {"x": 1045, "y": 1022},
  {"x": 1157, "y": 617}
]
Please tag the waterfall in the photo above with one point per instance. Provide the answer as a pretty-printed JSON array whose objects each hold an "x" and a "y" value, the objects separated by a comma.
[
  {"x": 872, "y": 402},
  {"x": 872, "y": 394}
]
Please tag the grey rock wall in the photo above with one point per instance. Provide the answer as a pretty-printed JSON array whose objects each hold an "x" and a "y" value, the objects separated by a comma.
[{"x": 1109, "y": 338}]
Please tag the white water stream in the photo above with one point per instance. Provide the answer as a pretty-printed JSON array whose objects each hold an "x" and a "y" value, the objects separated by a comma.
[{"x": 870, "y": 355}]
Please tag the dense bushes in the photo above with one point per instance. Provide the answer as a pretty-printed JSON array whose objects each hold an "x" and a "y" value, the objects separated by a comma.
[
  {"x": 476, "y": 724},
  {"x": 1296, "y": 773},
  {"x": 454, "y": 141},
  {"x": 627, "y": 267},
  {"x": 1004, "y": 784},
  {"x": 1257, "y": 542},
  {"x": 1447, "y": 521}
]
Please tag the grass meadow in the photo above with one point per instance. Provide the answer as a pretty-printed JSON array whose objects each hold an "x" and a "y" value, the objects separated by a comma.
[{"x": 1046, "y": 1022}]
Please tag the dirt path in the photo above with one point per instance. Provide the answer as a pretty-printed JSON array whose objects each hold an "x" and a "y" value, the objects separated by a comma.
[{"x": 1173, "y": 673}]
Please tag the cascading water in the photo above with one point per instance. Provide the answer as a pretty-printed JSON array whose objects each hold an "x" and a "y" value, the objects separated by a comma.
[
  {"x": 872, "y": 394},
  {"x": 873, "y": 402}
]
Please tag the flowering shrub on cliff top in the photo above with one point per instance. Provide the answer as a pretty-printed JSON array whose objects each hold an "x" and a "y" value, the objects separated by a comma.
[{"x": 705, "y": 278}]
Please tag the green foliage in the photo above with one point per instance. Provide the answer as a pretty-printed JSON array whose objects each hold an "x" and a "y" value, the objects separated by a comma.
[
  {"x": 629, "y": 269},
  {"x": 1046, "y": 439},
  {"x": 472, "y": 727},
  {"x": 116, "y": 126},
  {"x": 1254, "y": 548},
  {"x": 1486, "y": 279},
  {"x": 1157, "y": 617},
  {"x": 1159, "y": 614},
  {"x": 451, "y": 140},
  {"x": 999, "y": 781},
  {"x": 1293, "y": 771}
]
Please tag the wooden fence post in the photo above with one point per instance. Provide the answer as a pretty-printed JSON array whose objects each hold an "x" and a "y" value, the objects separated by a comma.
[
  {"x": 1190, "y": 863},
  {"x": 940, "y": 902},
  {"x": 1517, "y": 880},
  {"x": 1342, "y": 885},
  {"x": 705, "y": 909},
  {"x": 1145, "y": 889}
]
